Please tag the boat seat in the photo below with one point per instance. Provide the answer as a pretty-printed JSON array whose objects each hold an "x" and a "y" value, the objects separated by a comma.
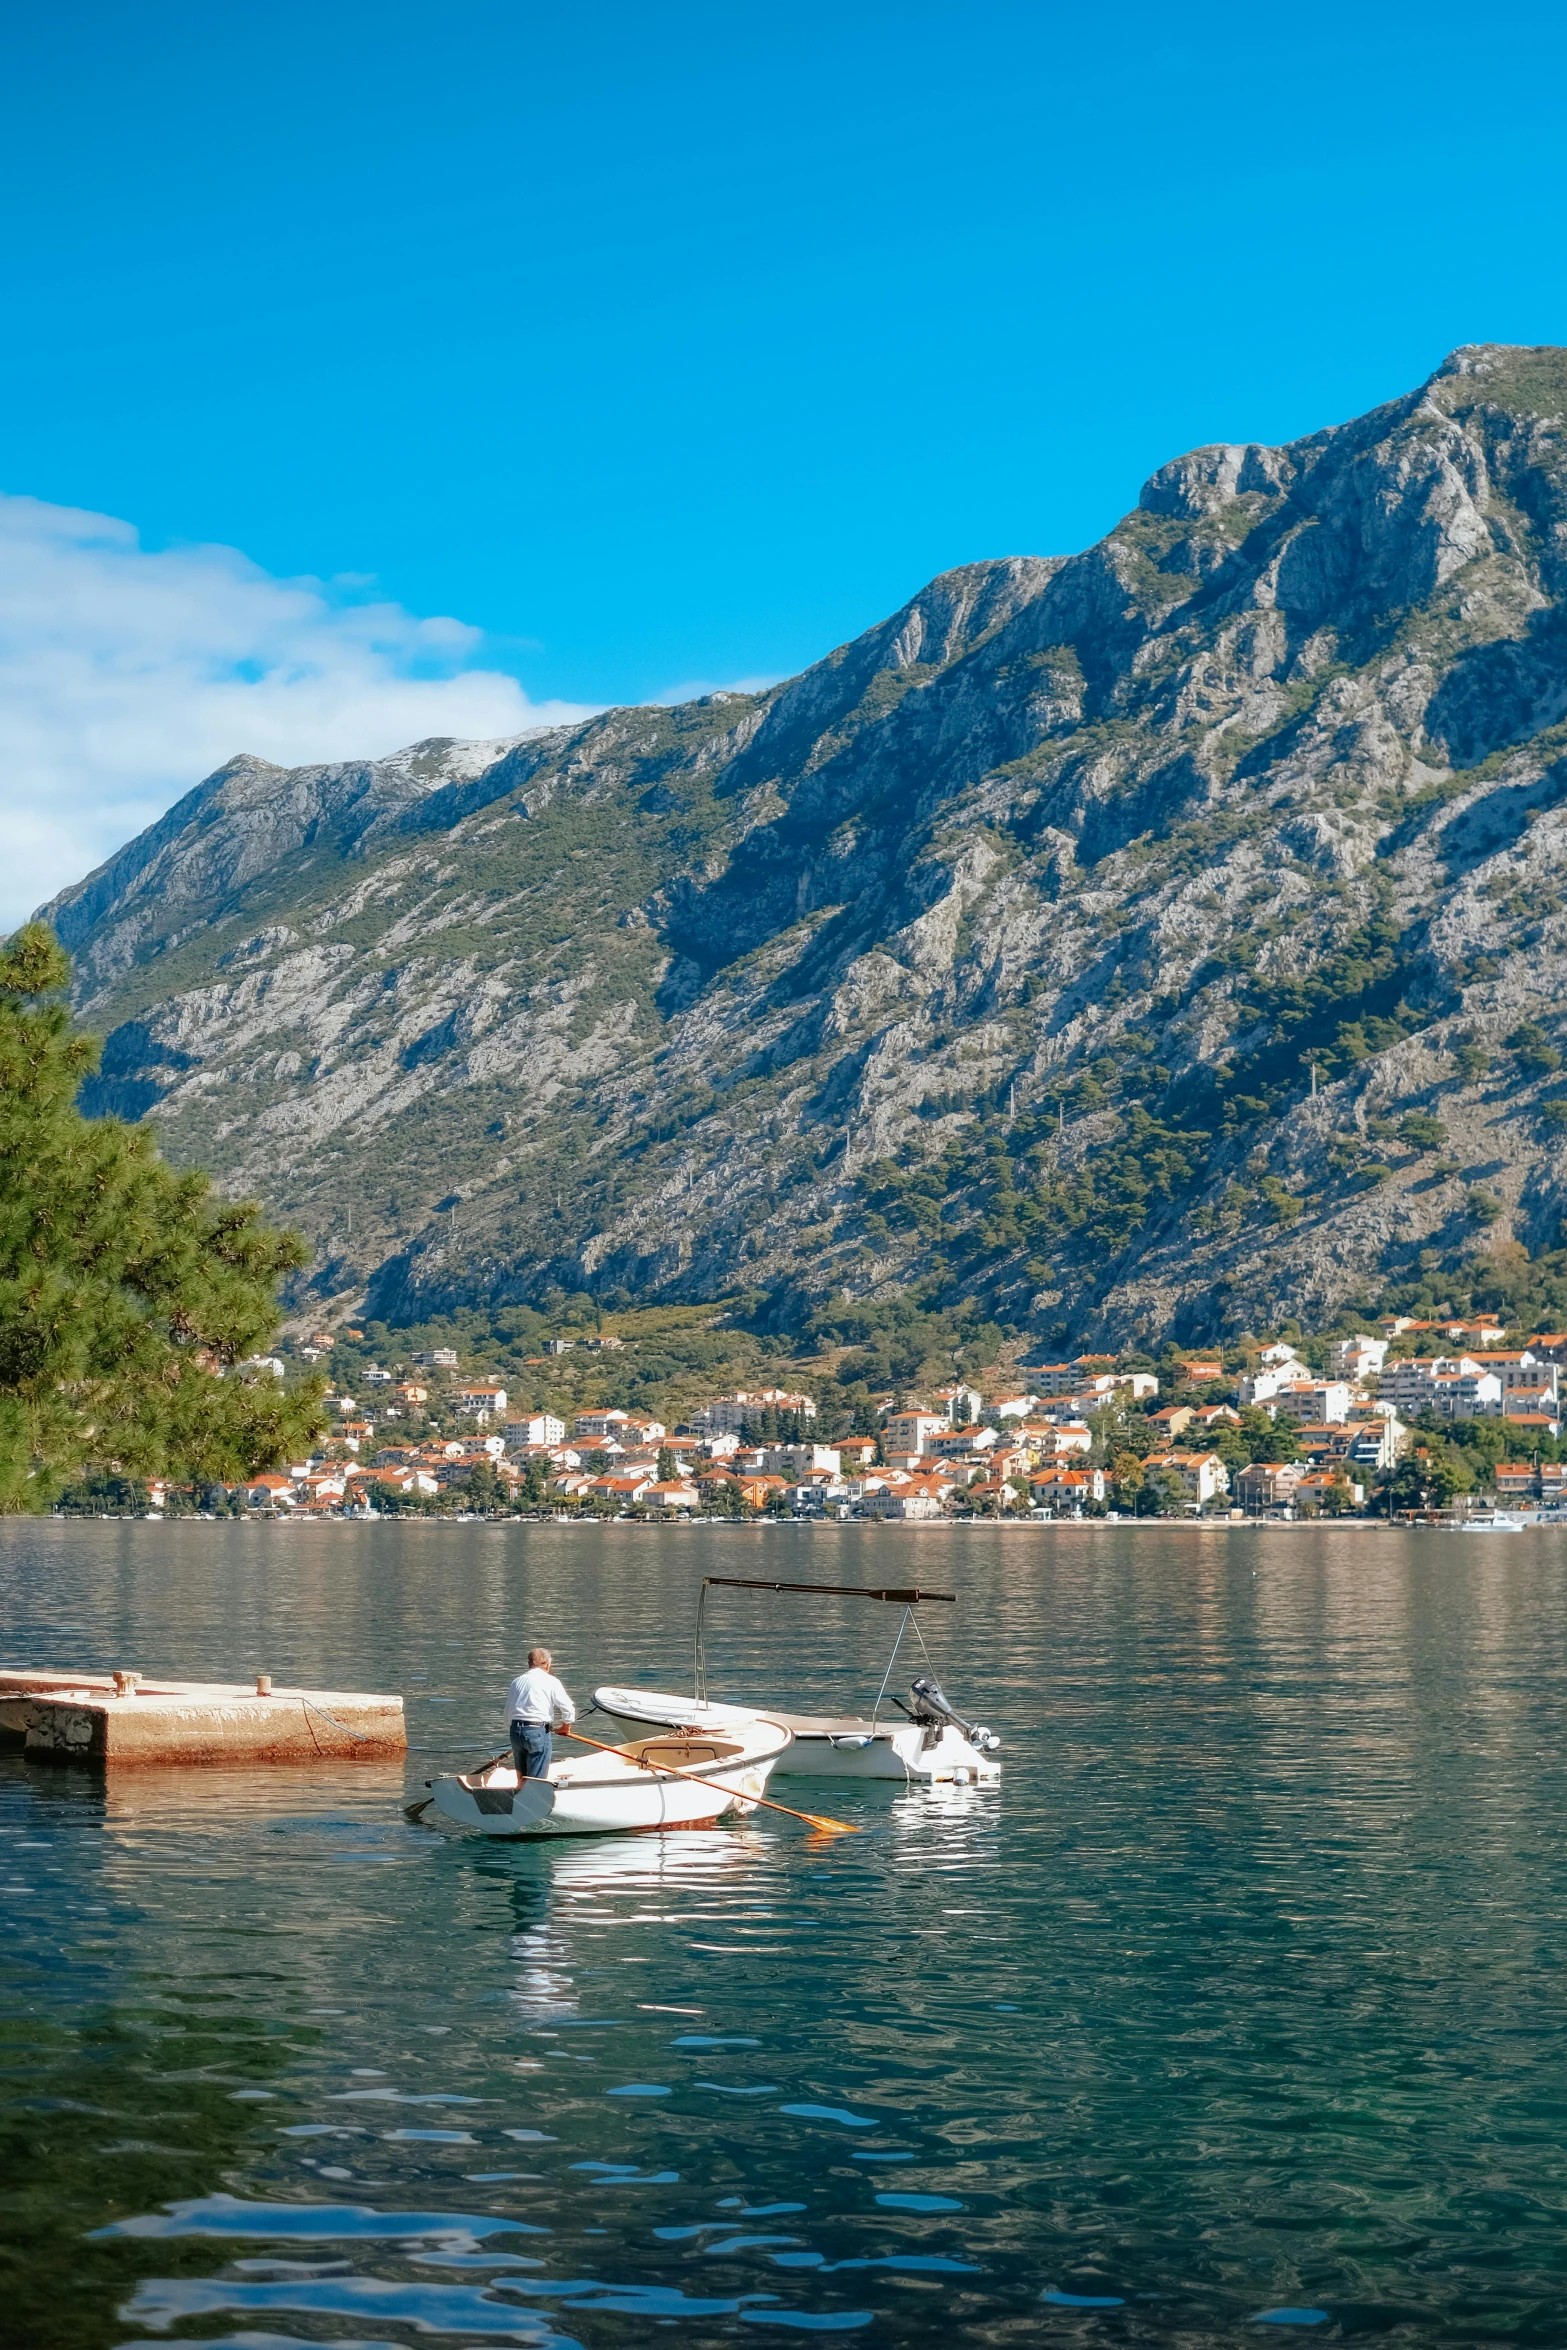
[{"x": 687, "y": 1752}]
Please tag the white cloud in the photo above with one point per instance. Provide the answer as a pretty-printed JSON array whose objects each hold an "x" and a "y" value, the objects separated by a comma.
[{"x": 125, "y": 677}]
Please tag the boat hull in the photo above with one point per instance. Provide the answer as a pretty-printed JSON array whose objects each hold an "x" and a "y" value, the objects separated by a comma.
[
  {"x": 609, "y": 1794},
  {"x": 819, "y": 1748}
]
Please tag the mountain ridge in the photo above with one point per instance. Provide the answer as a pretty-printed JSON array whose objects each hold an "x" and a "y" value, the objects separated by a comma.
[{"x": 995, "y": 952}]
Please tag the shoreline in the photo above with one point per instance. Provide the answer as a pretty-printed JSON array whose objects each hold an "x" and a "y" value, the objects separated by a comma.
[{"x": 916, "y": 1526}]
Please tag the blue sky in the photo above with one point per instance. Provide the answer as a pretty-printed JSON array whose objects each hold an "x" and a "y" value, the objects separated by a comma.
[{"x": 666, "y": 345}]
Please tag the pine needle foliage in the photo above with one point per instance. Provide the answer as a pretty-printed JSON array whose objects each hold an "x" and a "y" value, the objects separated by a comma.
[{"x": 126, "y": 1289}]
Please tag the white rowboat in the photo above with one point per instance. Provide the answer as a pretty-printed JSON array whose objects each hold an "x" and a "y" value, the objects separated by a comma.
[{"x": 609, "y": 1793}]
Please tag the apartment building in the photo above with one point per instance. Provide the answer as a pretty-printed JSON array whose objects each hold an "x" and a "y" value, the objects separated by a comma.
[
  {"x": 730, "y": 1415},
  {"x": 538, "y": 1428},
  {"x": 1203, "y": 1474},
  {"x": 912, "y": 1431}
]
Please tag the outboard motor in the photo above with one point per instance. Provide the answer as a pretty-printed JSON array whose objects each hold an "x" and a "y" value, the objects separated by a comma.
[{"x": 930, "y": 1709}]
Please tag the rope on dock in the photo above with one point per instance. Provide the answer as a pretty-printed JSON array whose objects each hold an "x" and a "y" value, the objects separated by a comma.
[{"x": 360, "y": 1737}]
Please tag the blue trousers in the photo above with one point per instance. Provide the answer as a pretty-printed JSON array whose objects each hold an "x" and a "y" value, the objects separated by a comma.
[{"x": 530, "y": 1746}]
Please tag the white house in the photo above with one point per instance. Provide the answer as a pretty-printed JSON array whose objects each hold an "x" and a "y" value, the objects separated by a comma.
[
  {"x": 911, "y": 1431},
  {"x": 1313, "y": 1399},
  {"x": 1376, "y": 1444},
  {"x": 1357, "y": 1358},
  {"x": 1454, "y": 1385},
  {"x": 1203, "y": 1474},
  {"x": 670, "y": 1493},
  {"x": 602, "y": 1422},
  {"x": 1466, "y": 1395},
  {"x": 1263, "y": 1385},
  {"x": 1050, "y": 1439},
  {"x": 1062, "y": 1488},
  {"x": 961, "y": 1403},
  {"x": 952, "y": 1443},
  {"x": 482, "y": 1403},
  {"x": 538, "y": 1428},
  {"x": 1520, "y": 1368},
  {"x": 1267, "y": 1485},
  {"x": 800, "y": 1460},
  {"x": 270, "y": 1491},
  {"x": 729, "y": 1415},
  {"x": 1010, "y": 1407}
]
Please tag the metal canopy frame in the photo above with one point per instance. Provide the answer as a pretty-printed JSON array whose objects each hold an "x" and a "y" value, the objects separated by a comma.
[{"x": 908, "y": 1598}]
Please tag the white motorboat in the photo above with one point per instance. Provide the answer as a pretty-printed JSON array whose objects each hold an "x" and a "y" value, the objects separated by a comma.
[
  {"x": 930, "y": 1743},
  {"x": 1492, "y": 1522},
  {"x": 823, "y": 1746},
  {"x": 671, "y": 1780}
]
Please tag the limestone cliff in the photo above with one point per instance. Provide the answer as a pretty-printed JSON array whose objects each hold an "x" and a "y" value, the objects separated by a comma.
[{"x": 1000, "y": 947}]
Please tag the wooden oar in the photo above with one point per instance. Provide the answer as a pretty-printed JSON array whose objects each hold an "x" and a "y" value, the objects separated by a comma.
[{"x": 662, "y": 1771}]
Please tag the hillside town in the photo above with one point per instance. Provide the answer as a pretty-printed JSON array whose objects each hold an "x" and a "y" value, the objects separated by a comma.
[{"x": 1416, "y": 1419}]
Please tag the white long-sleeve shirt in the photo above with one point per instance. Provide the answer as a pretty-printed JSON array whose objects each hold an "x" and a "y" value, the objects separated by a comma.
[{"x": 536, "y": 1696}]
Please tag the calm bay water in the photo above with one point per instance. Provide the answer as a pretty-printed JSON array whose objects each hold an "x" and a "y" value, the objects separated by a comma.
[{"x": 1243, "y": 1995}]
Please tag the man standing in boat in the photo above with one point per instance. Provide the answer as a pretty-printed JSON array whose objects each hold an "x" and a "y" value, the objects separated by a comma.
[{"x": 534, "y": 1701}]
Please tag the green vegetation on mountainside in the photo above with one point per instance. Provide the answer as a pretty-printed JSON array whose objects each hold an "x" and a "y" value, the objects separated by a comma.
[{"x": 672, "y": 1359}]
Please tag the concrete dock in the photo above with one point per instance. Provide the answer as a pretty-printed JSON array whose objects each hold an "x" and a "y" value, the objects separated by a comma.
[{"x": 117, "y": 1719}]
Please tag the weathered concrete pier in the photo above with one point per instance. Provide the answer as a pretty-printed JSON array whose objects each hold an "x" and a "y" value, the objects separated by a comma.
[{"x": 116, "y": 1719}]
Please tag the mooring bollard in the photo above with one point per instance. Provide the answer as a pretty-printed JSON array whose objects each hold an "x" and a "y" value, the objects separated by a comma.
[
  {"x": 125, "y": 1684},
  {"x": 263, "y": 1684}
]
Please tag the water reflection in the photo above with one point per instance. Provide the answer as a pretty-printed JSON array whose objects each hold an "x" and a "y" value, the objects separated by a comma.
[
  {"x": 560, "y": 1891},
  {"x": 1236, "y": 2003}
]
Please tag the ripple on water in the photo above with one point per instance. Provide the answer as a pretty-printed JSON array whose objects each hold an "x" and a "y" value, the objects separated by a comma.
[
  {"x": 1237, "y": 1802},
  {"x": 231, "y": 2215},
  {"x": 830, "y": 2113},
  {"x": 834, "y": 2321},
  {"x": 731, "y": 2244}
]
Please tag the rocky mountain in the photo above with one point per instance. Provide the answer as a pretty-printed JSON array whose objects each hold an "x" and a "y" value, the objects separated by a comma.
[{"x": 1159, "y": 940}]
